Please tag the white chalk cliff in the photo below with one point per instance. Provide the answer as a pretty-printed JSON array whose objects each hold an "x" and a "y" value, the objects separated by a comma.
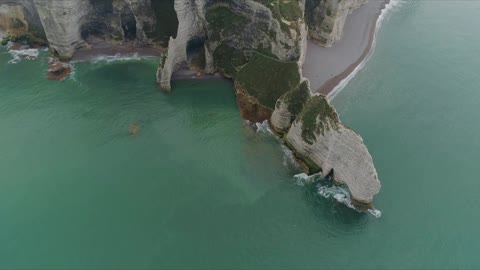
[
  {"x": 341, "y": 154},
  {"x": 326, "y": 19}
]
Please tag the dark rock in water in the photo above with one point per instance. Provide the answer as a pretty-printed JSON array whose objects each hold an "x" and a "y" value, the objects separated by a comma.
[{"x": 58, "y": 70}]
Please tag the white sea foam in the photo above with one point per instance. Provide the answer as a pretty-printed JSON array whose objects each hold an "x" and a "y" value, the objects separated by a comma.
[
  {"x": 340, "y": 194},
  {"x": 392, "y": 5},
  {"x": 30, "y": 54},
  {"x": 73, "y": 72},
  {"x": 302, "y": 179},
  {"x": 263, "y": 127},
  {"x": 375, "y": 212},
  {"x": 119, "y": 57},
  {"x": 288, "y": 157}
]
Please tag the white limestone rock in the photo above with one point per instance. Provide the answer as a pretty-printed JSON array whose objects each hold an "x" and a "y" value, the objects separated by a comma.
[
  {"x": 61, "y": 21},
  {"x": 281, "y": 118},
  {"x": 326, "y": 19},
  {"x": 339, "y": 152},
  {"x": 190, "y": 26}
]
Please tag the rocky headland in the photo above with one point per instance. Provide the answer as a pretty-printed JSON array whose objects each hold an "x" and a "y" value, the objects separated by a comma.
[{"x": 260, "y": 44}]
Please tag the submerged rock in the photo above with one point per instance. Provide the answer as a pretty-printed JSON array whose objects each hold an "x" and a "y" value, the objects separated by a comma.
[{"x": 58, "y": 70}]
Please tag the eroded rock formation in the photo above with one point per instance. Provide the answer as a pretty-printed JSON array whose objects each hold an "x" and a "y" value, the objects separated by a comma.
[
  {"x": 260, "y": 44},
  {"x": 191, "y": 35},
  {"x": 325, "y": 144},
  {"x": 19, "y": 21},
  {"x": 71, "y": 24},
  {"x": 326, "y": 19}
]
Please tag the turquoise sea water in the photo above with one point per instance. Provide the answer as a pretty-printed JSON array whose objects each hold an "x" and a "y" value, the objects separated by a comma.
[{"x": 198, "y": 188}]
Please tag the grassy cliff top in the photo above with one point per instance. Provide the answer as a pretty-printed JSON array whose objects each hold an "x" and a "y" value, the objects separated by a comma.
[
  {"x": 317, "y": 116},
  {"x": 297, "y": 98},
  {"x": 267, "y": 79}
]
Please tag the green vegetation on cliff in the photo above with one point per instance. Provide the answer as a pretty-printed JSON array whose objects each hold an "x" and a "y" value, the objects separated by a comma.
[
  {"x": 229, "y": 60},
  {"x": 318, "y": 108},
  {"x": 297, "y": 98},
  {"x": 4, "y": 41},
  {"x": 267, "y": 79},
  {"x": 222, "y": 20},
  {"x": 285, "y": 11}
]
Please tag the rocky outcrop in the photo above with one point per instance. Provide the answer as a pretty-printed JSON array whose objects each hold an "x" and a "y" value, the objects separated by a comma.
[
  {"x": 326, "y": 19},
  {"x": 72, "y": 24},
  {"x": 289, "y": 106},
  {"x": 191, "y": 28},
  {"x": 58, "y": 70},
  {"x": 61, "y": 21},
  {"x": 320, "y": 140},
  {"x": 19, "y": 21},
  {"x": 312, "y": 129}
]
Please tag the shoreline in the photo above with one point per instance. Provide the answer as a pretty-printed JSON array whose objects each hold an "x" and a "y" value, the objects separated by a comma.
[
  {"x": 331, "y": 85},
  {"x": 190, "y": 74},
  {"x": 97, "y": 49},
  {"x": 327, "y": 69}
]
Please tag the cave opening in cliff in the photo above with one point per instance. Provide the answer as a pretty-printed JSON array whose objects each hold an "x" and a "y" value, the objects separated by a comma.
[
  {"x": 94, "y": 30},
  {"x": 196, "y": 52},
  {"x": 97, "y": 28},
  {"x": 166, "y": 22},
  {"x": 129, "y": 25}
]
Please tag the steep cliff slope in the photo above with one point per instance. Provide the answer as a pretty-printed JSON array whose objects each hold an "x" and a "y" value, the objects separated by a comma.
[
  {"x": 325, "y": 144},
  {"x": 326, "y": 18},
  {"x": 71, "y": 24},
  {"x": 19, "y": 21}
]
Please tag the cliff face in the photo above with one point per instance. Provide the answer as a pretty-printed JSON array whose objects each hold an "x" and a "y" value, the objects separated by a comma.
[
  {"x": 61, "y": 21},
  {"x": 191, "y": 35},
  {"x": 260, "y": 44},
  {"x": 326, "y": 19},
  {"x": 19, "y": 19},
  {"x": 223, "y": 35},
  {"x": 71, "y": 24},
  {"x": 324, "y": 144}
]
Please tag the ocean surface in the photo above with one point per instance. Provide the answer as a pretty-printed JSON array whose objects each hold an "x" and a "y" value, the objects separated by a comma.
[{"x": 197, "y": 187}]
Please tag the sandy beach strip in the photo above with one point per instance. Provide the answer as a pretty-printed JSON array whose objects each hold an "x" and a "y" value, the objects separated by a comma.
[
  {"x": 327, "y": 67},
  {"x": 98, "y": 49},
  {"x": 190, "y": 74}
]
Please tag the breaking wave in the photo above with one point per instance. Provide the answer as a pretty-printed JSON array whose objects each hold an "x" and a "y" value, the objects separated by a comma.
[
  {"x": 18, "y": 55},
  {"x": 263, "y": 127},
  {"x": 288, "y": 157},
  {"x": 330, "y": 191},
  {"x": 388, "y": 8},
  {"x": 119, "y": 57}
]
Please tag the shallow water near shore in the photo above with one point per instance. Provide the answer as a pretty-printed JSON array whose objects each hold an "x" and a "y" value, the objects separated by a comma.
[{"x": 198, "y": 188}]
